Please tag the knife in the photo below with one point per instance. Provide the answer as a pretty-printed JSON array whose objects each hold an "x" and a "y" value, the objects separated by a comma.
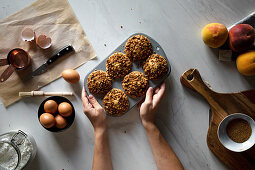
[{"x": 43, "y": 67}]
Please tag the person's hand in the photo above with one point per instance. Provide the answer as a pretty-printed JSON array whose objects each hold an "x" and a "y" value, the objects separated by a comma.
[
  {"x": 94, "y": 111},
  {"x": 150, "y": 104}
]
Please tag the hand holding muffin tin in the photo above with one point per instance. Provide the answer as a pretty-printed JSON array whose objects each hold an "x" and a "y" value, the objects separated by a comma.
[{"x": 117, "y": 83}]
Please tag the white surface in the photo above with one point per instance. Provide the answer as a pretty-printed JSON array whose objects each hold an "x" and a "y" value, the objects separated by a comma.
[{"x": 183, "y": 115}]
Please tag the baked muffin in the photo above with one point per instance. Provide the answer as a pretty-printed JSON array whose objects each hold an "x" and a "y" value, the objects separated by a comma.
[
  {"x": 155, "y": 67},
  {"x": 99, "y": 82},
  {"x": 138, "y": 48},
  {"x": 135, "y": 84},
  {"x": 118, "y": 65},
  {"x": 116, "y": 102}
]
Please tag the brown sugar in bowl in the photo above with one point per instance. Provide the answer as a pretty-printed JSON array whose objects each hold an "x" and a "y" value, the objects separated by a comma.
[
  {"x": 239, "y": 130},
  {"x": 233, "y": 125}
]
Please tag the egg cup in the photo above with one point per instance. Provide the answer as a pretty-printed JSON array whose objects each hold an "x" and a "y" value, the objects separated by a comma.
[{"x": 69, "y": 119}]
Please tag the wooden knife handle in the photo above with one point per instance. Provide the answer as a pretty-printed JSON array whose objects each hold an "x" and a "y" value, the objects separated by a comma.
[
  {"x": 7, "y": 73},
  {"x": 192, "y": 79},
  {"x": 3, "y": 62},
  {"x": 42, "y": 93}
]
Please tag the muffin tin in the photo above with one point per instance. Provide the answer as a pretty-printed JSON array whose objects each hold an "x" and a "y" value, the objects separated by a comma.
[{"x": 136, "y": 67}]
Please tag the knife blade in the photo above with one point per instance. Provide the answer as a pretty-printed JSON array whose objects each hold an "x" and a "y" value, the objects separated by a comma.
[{"x": 44, "y": 66}]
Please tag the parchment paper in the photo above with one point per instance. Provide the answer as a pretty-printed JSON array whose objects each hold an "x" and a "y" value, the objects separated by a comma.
[{"x": 55, "y": 19}]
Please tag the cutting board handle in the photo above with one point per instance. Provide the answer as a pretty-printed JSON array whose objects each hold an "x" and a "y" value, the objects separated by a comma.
[{"x": 192, "y": 79}]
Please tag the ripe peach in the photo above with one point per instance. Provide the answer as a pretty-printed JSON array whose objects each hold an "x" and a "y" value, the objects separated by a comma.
[
  {"x": 246, "y": 63},
  {"x": 241, "y": 37},
  {"x": 214, "y": 35}
]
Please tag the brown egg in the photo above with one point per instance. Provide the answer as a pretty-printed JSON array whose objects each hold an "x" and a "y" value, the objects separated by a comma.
[
  {"x": 47, "y": 120},
  {"x": 65, "y": 109},
  {"x": 71, "y": 76},
  {"x": 50, "y": 106},
  {"x": 60, "y": 122}
]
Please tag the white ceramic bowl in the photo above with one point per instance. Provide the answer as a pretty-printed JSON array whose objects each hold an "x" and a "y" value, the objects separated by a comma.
[{"x": 229, "y": 143}]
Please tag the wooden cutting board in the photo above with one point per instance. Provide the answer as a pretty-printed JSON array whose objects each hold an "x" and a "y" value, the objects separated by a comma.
[{"x": 223, "y": 104}]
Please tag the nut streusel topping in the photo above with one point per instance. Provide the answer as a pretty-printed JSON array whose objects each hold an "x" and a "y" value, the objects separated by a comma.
[
  {"x": 155, "y": 67},
  {"x": 116, "y": 102},
  {"x": 135, "y": 84},
  {"x": 118, "y": 65},
  {"x": 99, "y": 82},
  {"x": 138, "y": 48}
]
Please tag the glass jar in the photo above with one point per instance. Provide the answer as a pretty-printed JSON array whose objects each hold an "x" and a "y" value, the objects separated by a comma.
[{"x": 17, "y": 149}]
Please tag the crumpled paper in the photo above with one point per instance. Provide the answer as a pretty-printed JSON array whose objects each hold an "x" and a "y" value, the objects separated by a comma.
[{"x": 55, "y": 19}]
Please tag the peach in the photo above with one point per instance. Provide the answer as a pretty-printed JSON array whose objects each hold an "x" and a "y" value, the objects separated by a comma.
[
  {"x": 214, "y": 35},
  {"x": 246, "y": 63},
  {"x": 241, "y": 37}
]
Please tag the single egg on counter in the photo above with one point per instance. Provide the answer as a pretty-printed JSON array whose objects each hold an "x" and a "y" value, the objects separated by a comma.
[
  {"x": 65, "y": 109},
  {"x": 71, "y": 76},
  {"x": 50, "y": 106},
  {"x": 60, "y": 122},
  {"x": 47, "y": 120}
]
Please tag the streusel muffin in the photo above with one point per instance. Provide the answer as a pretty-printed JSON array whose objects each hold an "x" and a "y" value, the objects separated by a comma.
[
  {"x": 118, "y": 65},
  {"x": 99, "y": 82},
  {"x": 116, "y": 102},
  {"x": 135, "y": 84},
  {"x": 155, "y": 67},
  {"x": 138, "y": 48}
]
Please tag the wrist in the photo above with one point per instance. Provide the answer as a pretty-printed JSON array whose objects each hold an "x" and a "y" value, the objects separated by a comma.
[
  {"x": 100, "y": 132},
  {"x": 148, "y": 125},
  {"x": 100, "y": 129}
]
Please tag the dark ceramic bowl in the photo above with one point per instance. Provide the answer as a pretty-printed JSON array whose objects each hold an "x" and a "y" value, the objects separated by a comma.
[{"x": 69, "y": 119}]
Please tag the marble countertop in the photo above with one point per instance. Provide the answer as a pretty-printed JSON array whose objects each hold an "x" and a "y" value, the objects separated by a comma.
[{"x": 183, "y": 115}]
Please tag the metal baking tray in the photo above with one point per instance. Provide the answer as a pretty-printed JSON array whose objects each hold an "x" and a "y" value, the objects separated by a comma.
[{"x": 136, "y": 67}]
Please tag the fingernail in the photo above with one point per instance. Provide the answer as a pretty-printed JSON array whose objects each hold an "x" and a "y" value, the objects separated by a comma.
[{"x": 90, "y": 96}]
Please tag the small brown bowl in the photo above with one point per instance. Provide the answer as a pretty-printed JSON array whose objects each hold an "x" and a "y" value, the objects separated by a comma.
[{"x": 58, "y": 100}]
